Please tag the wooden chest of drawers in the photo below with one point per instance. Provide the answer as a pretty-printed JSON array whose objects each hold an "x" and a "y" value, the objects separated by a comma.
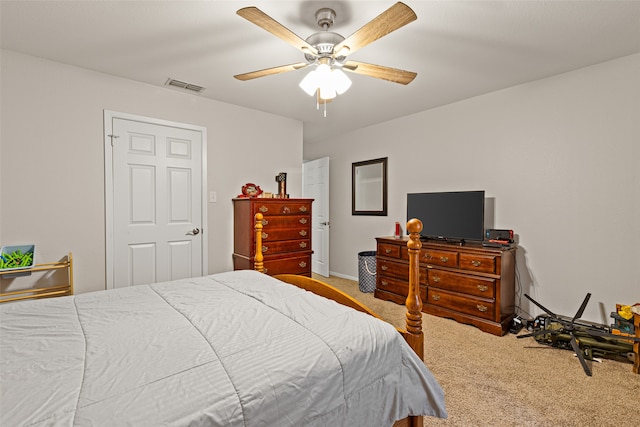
[
  {"x": 286, "y": 235},
  {"x": 469, "y": 283}
]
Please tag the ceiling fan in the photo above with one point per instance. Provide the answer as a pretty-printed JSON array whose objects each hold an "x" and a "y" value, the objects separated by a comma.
[{"x": 328, "y": 50}]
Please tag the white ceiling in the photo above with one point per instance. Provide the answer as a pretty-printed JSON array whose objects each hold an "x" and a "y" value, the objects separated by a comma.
[{"x": 459, "y": 49}]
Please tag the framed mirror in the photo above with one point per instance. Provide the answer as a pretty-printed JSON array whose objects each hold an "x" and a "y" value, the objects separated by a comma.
[{"x": 369, "y": 187}]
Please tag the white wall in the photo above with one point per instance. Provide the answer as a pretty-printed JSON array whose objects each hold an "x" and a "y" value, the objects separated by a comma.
[
  {"x": 52, "y": 164},
  {"x": 560, "y": 157}
]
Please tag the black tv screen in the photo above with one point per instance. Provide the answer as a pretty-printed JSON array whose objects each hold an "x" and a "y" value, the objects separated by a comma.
[{"x": 455, "y": 215}]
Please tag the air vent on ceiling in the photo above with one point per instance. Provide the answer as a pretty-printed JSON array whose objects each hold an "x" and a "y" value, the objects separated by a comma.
[{"x": 183, "y": 85}]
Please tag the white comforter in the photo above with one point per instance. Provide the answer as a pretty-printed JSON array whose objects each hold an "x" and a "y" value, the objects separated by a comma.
[{"x": 230, "y": 349}]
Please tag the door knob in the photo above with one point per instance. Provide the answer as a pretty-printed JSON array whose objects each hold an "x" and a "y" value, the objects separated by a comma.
[
  {"x": 194, "y": 231},
  {"x": 325, "y": 223}
]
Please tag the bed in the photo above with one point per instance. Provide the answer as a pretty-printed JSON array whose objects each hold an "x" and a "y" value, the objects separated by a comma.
[{"x": 235, "y": 349}]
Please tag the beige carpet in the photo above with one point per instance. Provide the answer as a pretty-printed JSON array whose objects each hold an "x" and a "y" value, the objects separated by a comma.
[{"x": 505, "y": 381}]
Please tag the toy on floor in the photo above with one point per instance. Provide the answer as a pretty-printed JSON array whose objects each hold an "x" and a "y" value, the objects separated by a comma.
[{"x": 588, "y": 340}]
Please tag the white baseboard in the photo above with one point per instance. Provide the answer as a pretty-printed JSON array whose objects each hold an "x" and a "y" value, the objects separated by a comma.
[{"x": 343, "y": 276}]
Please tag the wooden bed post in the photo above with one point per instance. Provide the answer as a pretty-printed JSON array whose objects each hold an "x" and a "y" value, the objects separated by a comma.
[
  {"x": 414, "y": 336},
  {"x": 258, "y": 263}
]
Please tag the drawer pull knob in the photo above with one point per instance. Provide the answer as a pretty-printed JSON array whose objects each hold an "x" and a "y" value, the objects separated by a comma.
[
  {"x": 436, "y": 279},
  {"x": 303, "y": 244},
  {"x": 303, "y": 220},
  {"x": 384, "y": 282},
  {"x": 387, "y": 251},
  {"x": 265, "y": 235},
  {"x": 263, "y": 209},
  {"x": 476, "y": 263},
  {"x": 302, "y": 264},
  {"x": 383, "y": 267},
  {"x": 483, "y": 288},
  {"x": 265, "y": 222},
  {"x": 265, "y": 271},
  {"x": 303, "y": 208},
  {"x": 428, "y": 257},
  {"x": 303, "y": 232},
  {"x": 444, "y": 258},
  {"x": 265, "y": 249},
  {"x": 436, "y": 297},
  {"x": 481, "y": 308}
]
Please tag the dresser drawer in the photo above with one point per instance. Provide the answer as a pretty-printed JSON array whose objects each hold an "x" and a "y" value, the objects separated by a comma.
[
  {"x": 461, "y": 304},
  {"x": 286, "y": 234},
  {"x": 286, "y": 246},
  {"x": 439, "y": 257},
  {"x": 295, "y": 265},
  {"x": 285, "y": 221},
  {"x": 392, "y": 251},
  {"x": 396, "y": 286},
  {"x": 473, "y": 285},
  {"x": 282, "y": 208},
  {"x": 478, "y": 262},
  {"x": 393, "y": 269}
]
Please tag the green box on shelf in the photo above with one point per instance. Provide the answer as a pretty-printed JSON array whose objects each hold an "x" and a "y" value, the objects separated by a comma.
[{"x": 8, "y": 251}]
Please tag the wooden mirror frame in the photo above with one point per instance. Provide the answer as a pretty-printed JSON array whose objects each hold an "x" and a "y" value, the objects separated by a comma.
[{"x": 356, "y": 191}]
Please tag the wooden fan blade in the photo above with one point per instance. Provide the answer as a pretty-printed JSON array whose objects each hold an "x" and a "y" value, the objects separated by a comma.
[
  {"x": 380, "y": 72},
  {"x": 264, "y": 21},
  {"x": 397, "y": 16},
  {"x": 271, "y": 71}
]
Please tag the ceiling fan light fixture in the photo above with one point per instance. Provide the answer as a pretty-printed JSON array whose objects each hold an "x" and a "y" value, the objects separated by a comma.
[
  {"x": 330, "y": 82},
  {"x": 323, "y": 71},
  {"x": 325, "y": 81},
  {"x": 327, "y": 91},
  {"x": 340, "y": 81},
  {"x": 310, "y": 83}
]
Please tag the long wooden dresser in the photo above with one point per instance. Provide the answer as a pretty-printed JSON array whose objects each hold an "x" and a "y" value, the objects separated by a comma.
[
  {"x": 469, "y": 283},
  {"x": 286, "y": 235}
]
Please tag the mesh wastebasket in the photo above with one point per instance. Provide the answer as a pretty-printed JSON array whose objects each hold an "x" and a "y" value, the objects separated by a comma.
[{"x": 367, "y": 271}]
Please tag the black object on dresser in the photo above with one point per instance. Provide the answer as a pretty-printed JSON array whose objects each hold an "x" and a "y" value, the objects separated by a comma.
[
  {"x": 286, "y": 235},
  {"x": 469, "y": 283}
]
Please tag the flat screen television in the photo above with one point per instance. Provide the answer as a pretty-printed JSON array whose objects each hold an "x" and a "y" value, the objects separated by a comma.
[{"x": 453, "y": 216}]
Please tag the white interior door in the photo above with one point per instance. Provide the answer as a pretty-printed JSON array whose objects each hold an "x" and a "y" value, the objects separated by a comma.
[
  {"x": 157, "y": 202},
  {"x": 315, "y": 185}
]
